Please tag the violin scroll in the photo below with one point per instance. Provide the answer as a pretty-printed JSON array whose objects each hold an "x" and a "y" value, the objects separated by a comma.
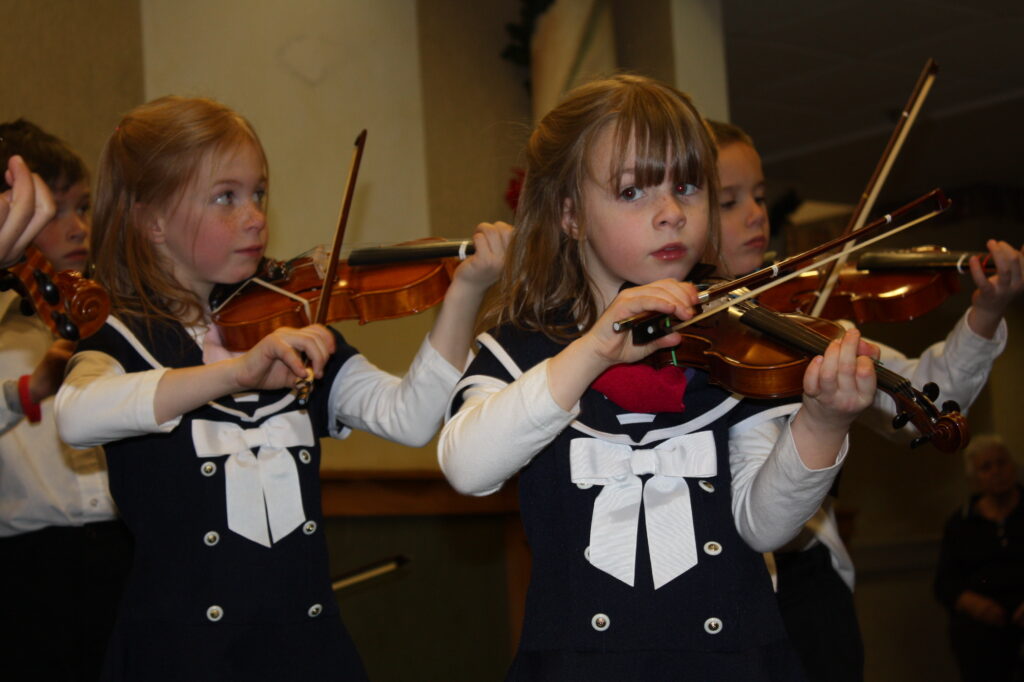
[{"x": 72, "y": 306}]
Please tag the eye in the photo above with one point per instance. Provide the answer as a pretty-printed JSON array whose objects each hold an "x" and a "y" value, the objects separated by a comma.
[
  {"x": 728, "y": 205},
  {"x": 225, "y": 198},
  {"x": 686, "y": 189},
  {"x": 760, "y": 199},
  {"x": 630, "y": 193},
  {"x": 260, "y": 197}
]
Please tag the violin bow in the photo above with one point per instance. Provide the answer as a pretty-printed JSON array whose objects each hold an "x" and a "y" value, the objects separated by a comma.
[
  {"x": 907, "y": 117},
  {"x": 303, "y": 386},
  {"x": 645, "y": 329}
]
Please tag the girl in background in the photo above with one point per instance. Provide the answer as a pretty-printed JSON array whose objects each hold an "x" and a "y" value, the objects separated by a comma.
[
  {"x": 66, "y": 554},
  {"x": 213, "y": 463},
  {"x": 814, "y": 571},
  {"x": 646, "y": 496}
]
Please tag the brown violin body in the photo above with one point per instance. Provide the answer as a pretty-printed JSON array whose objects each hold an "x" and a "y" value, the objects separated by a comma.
[
  {"x": 743, "y": 360},
  {"x": 366, "y": 293},
  {"x": 884, "y": 286},
  {"x": 866, "y": 295},
  {"x": 760, "y": 353},
  {"x": 71, "y": 305}
]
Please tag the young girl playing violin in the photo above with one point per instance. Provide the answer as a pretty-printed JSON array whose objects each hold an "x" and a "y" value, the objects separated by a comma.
[
  {"x": 214, "y": 464},
  {"x": 814, "y": 571},
  {"x": 646, "y": 506}
]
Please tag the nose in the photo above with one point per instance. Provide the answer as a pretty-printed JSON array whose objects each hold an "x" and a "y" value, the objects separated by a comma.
[
  {"x": 757, "y": 215},
  {"x": 79, "y": 227},
  {"x": 671, "y": 213},
  {"x": 257, "y": 217}
]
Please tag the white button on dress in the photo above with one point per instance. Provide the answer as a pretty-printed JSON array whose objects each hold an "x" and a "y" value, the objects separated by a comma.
[{"x": 600, "y": 622}]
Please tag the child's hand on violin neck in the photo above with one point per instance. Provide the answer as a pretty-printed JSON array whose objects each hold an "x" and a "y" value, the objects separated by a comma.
[
  {"x": 667, "y": 296},
  {"x": 279, "y": 359},
  {"x": 994, "y": 294},
  {"x": 840, "y": 384},
  {"x": 483, "y": 268},
  {"x": 49, "y": 373}
]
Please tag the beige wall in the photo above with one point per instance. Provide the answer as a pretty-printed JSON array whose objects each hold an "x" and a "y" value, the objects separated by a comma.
[
  {"x": 309, "y": 75},
  {"x": 70, "y": 67},
  {"x": 699, "y": 55}
]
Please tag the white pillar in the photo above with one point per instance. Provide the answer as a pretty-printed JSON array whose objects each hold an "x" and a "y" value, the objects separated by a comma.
[{"x": 698, "y": 47}]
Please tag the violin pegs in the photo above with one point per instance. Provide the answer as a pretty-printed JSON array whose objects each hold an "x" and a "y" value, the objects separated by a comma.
[
  {"x": 26, "y": 307},
  {"x": 900, "y": 420},
  {"x": 65, "y": 327},
  {"x": 950, "y": 406},
  {"x": 931, "y": 391},
  {"x": 7, "y": 280},
  {"x": 919, "y": 441},
  {"x": 47, "y": 288}
]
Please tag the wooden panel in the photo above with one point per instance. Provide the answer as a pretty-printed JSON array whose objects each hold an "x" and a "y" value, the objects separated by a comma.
[{"x": 405, "y": 493}]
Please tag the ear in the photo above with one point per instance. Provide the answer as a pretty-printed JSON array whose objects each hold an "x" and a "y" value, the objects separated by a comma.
[
  {"x": 569, "y": 225},
  {"x": 151, "y": 221}
]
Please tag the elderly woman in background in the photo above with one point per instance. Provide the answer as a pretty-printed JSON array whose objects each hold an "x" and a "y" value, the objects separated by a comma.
[{"x": 980, "y": 576}]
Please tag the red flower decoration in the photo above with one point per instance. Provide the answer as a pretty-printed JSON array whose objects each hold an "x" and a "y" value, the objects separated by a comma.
[{"x": 515, "y": 186}]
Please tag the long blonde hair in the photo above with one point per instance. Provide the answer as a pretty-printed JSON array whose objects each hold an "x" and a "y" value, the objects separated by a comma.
[
  {"x": 152, "y": 157},
  {"x": 544, "y": 275}
]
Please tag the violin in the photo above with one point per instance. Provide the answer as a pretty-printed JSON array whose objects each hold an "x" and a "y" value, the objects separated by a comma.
[
  {"x": 830, "y": 275},
  {"x": 792, "y": 267},
  {"x": 370, "y": 285},
  {"x": 72, "y": 306},
  {"x": 759, "y": 353},
  {"x": 883, "y": 286},
  {"x": 840, "y": 291}
]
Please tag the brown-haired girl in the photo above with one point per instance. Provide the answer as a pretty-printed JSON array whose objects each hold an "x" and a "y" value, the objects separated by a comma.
[
  {"x": 646, "y": 496},
  {"x": 213, "y": 463}
]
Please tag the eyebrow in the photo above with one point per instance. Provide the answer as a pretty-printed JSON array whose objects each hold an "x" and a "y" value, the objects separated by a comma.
[{"x": 235, "y": 181}]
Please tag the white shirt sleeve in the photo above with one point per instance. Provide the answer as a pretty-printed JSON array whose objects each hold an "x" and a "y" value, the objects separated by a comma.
[
  {"x": 8, "y": 418},
  {"x": 99, "y": 402},
  {"x": 498, "y": 429},
  {"x": 959, "y": 365},
  {"x": 773, "y": 492},
  {"x": 407, "y": 410}
]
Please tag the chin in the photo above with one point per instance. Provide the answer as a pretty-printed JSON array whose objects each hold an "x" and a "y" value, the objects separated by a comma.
[{"x": 749, "y": 264}]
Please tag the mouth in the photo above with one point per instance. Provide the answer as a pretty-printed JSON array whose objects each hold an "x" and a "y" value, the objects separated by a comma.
[
  {"x": 252, "y": 251},
  {"x": 756, "y": 243},
  {"x": 670, "y": 252},
  {"x": 77, "y": 255}
]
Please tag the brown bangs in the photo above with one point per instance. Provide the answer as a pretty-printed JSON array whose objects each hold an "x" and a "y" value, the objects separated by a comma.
[{"x": 666, "y": 139}]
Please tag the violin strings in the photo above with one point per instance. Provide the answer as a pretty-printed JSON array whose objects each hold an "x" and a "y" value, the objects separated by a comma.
[{"x": 811, "y": 341}]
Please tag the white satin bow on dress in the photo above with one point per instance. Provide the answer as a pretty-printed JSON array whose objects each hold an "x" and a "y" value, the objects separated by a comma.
[
  {"x": 665, "y": 498},
  {"x": 264, "y": 499}
]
